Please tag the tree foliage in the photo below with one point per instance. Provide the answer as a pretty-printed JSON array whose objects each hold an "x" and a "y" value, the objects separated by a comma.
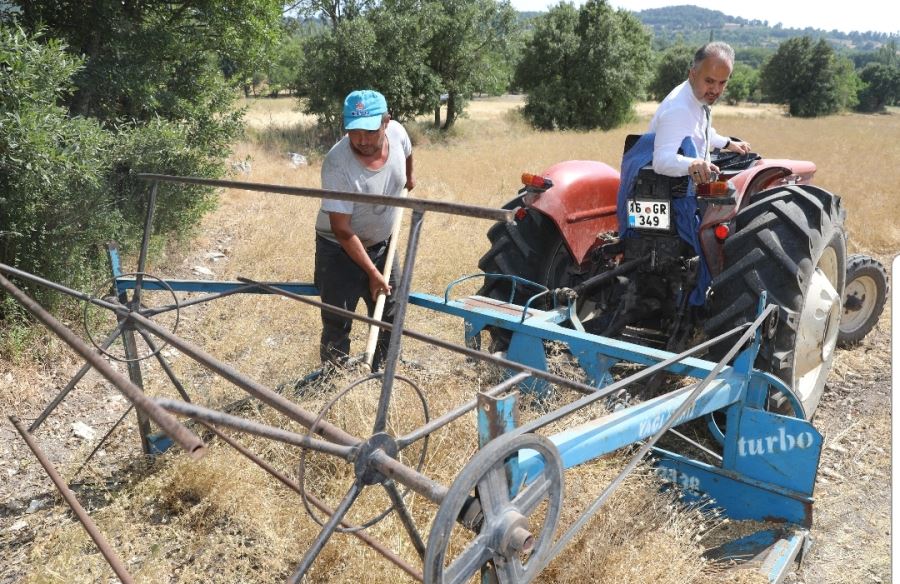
[
  {"x": 671, "y": 69},
  {"x": 412, "y": 51},
  {"x": 367, "y": 52},
  {"x": 52, "y": 199},
  {"x": 468, "y": 43},
  {"x": 743, "y": 84},
  {"x": 583, "y": 68},
  {"x": 155, "y": 57},
  {"x": 97, "y": 91},
  {"x": 880, "y": 87},
  {"x": 809, "y": 78}
]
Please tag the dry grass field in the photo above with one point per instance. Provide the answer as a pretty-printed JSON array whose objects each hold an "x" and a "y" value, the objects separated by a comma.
[{"x": 224, "y": 520}]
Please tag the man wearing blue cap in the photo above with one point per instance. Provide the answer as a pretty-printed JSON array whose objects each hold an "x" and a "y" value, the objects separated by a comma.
[{"x": 374, "y": 157}]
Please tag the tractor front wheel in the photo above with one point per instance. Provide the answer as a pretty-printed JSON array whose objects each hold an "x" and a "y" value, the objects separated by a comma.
[{"x": 864, "y": 298}]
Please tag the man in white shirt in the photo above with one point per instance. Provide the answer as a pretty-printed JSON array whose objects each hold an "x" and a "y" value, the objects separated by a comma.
[
  {"x": 685, "y": 112},
  {"x": 374, "y": 157}
]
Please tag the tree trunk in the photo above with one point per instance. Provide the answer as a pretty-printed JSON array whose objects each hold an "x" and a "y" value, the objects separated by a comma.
[
  {"x": 451, "y": 111},
  {"x": 437, "y": 115}
]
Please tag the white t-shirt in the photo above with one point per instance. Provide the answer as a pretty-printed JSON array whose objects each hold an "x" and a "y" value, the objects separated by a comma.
[
  {"x": 342, "y": 171},
  {"x": 681, "y": 114}
]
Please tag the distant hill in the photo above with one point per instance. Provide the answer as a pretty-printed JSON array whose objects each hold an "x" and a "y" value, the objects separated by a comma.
[{"x": 695, "y": 25}]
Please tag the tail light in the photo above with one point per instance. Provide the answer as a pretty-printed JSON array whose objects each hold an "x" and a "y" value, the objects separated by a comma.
[
  {"x": 722, "y": 231},
  {"x": 719, "y": 188},
  {"x": 536, "y": 181}
]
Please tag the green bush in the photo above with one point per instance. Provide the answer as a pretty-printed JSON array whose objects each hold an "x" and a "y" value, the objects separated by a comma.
[
  {"x": 53, "y": 191},
  {"x": 67, "y": 183}
]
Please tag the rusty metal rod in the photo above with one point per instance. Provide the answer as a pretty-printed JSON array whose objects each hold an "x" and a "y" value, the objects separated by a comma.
[
  {"x": 407, "y": 202},
  {"x": 412, "y": 478},
  {"x": 362, "y": 535},
  {"x": 151, "y": 312},
  {"x": 103, "y": 440},
  {"x": 166, "y": 421},
  {"x": 58, "y": 287},
  {"x": 108, "y": 553},
  {"x": 452, "y": 415},
  {"x": 327, "y": 531},
  {"x": 256, "y": 428},
  {"x": 394, "y": 343},
  {"x": 257, "y": 390},
  {"x": 474, "y": 354},
  {"x": 405, "y": 517},
  {"x": 417, "y": 482},
  {"x": 165, "y": 366},
  {"x": 145, "y": 245}
]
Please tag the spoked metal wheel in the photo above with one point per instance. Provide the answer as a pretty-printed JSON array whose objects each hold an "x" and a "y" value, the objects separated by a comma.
[{"x": 514, "y": 530}]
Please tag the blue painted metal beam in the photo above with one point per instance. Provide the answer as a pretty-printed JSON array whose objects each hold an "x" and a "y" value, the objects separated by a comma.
[
  {"x": 127, "y": 283},
  {"x": 544, "y": 325}
]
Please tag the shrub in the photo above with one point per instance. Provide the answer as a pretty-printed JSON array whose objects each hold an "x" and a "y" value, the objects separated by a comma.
[
  {"x": 67, "y": 182},
  {"x": 53, "y": 197}
]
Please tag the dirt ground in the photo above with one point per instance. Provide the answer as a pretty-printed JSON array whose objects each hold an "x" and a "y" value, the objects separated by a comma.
[{"x": 851, "y": 530}]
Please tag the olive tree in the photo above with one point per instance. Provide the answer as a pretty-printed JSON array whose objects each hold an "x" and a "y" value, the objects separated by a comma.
[{"x": 583, "y": 68}]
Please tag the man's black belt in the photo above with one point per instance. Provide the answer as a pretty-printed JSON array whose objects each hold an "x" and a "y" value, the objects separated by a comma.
[
  {"x": 374, "y": 247},
  {"x": 378, "y": 245}
]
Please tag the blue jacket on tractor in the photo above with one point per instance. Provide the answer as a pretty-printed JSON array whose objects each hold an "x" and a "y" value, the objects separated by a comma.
[{"x": 687, "y": 218}]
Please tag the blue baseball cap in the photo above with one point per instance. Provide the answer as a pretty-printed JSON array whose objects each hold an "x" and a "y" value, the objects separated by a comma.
[{"x": 363, "y": 110}]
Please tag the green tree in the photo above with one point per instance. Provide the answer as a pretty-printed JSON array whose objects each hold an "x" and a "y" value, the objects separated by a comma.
[
  {"x": 372, "y": 51},
  {"x": 157, "y": 58},
  {"x": 151, "y": 93},
  {"x": 809, "y": 78},
  {"x": 671, "y": 70},
  {"x": 468, "y": 42},
  {"x": 331, "y": 11},
  {"x": 742, "y": 85},
  {"x": 284, "y": 70},
  {"x": 582, "y": 68},
  {"x": 880, "y": 87}
]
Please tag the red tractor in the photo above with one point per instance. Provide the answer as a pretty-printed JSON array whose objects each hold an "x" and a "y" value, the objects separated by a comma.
[{"x": 667, "y": 263}]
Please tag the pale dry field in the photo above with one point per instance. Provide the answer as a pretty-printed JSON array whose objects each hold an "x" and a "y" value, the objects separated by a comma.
[{"x": 223, "y": 520}]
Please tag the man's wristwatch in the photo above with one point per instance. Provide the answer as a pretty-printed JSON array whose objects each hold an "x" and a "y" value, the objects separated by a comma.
[{"x": 727, "y": 144}]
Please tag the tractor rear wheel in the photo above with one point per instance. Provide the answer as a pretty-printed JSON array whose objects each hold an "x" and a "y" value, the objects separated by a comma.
[
  {"x": 789, "y": 242},
  {"x": 864, "y": 298},
  {"x": 531, "y": 248}
]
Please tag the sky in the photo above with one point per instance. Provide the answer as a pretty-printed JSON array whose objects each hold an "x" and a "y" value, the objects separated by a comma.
[{"x": 845, "y": 16}]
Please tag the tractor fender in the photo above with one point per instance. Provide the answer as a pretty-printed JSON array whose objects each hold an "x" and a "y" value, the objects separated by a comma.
[
  {"x": 581, "y": 203},
  {"x": 765, "y": 174}
]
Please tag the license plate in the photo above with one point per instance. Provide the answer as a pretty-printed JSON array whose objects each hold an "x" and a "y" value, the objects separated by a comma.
[{"x": 648, "y": 214}]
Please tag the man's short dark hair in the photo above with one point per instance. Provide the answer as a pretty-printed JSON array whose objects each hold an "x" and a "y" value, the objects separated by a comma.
[{"x": 713, "y": 49}]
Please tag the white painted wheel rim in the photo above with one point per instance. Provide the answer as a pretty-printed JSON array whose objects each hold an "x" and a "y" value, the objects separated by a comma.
[
  {"x": 818, "y": 329},
  {"x": 865, "y": 290}
]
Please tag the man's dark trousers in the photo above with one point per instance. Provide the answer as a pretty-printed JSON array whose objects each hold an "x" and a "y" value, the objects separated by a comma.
[{"x": 342, "y": 283}]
